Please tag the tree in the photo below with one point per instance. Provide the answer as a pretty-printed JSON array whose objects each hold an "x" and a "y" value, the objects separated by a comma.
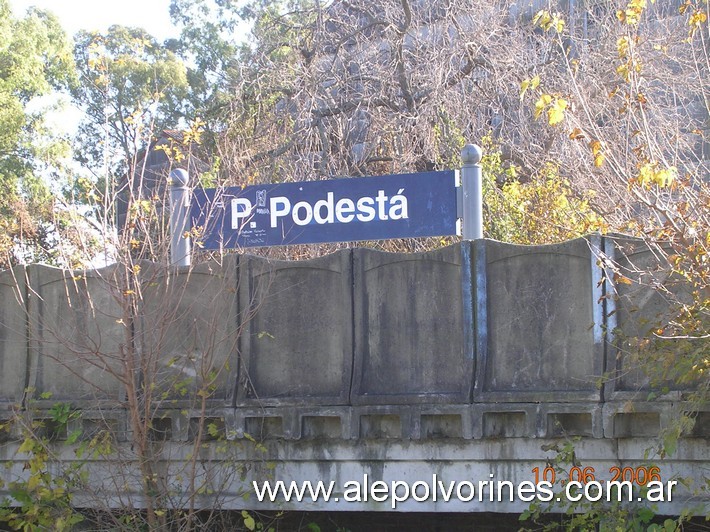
[
  {"x": 632, "y": 111},
  {"x": 131, "y": 89},
  {"x": 209, "y": 44},
  {"x": 137, "y": 365},
  {"x": 130, "y": 86},
  {"x": 357, "y": 89},
  {"x": 626, "y": 107},
  {"x": 612, "y": 98},
  {"x": 35, "y": 59}
]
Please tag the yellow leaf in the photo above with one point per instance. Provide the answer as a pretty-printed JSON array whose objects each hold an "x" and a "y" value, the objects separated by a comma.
[
  {"x": 559, "y": 24},
  {"x": 595, "y": 146},
  {"x": 646, "y": 174},
  {"x": 548, "y": 21},
  {"x": 623, "y": 71},
  {"x": 26, "y": 446},
  {"x": 632, "y": 14},
  {"x": 540, "y": 106},
  {"x": 696, "y": 20},
  {"x": 530, "y": 83},
  {"x": 622, "y": 47},
  {"x": 32, "y": 482},
  {"x": 651, "y": 174},
  {"x": 556, "y": 112},
  {"x": 541, "y": 18},
  {"x": 618, "y": 278},
  {"x": 665, "y": 177},
  {"x": 249, "y": 522},
  {"x": 524, "y": 87}
]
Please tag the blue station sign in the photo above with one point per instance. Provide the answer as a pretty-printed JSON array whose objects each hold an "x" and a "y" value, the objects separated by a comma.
[{"x": 336, "y": 210}]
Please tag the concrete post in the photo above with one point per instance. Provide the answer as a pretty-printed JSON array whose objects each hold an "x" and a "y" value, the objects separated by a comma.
[
  {"x": 179, "y": 217},
  {"x": 472, "y": 184}
]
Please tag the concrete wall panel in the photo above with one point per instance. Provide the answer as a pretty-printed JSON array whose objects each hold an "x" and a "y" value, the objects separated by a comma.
[
  {"x": 188, "y": 330},
  {"x": 13, "y": 335},
  {"x": 543, "y": 343},
  {"x": 297, "y": 347},
  {"x": 408, "y": 328},
  {"x": 640, "y": 304},
  {"x": 78, "y": 333}
]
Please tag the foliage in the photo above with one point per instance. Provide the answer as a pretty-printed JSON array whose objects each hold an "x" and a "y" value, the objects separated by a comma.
[
  {"x": 43, "y": 499},
  {"x": 637, "y": 119},
  {"x": 130, "y": 86},
  {"x": 35, "y": 59},
  {"x": 209, "y": 45},
  {"x": 644, "y": 132},
  {"x": 543, "y": 210}
]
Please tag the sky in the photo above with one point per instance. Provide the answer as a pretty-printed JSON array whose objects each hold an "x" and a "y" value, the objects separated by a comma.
[{"x": 75, "y": 15}]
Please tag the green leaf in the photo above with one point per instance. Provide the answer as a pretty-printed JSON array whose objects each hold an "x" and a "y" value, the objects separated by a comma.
[
  {"x": 249, "y": 522},
  {"x": 670, "y": 442},
  {"x": 73, "y": 437}
]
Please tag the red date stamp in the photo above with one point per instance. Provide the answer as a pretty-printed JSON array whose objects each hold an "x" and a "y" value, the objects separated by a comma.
[{"x": 640, "y": 476}]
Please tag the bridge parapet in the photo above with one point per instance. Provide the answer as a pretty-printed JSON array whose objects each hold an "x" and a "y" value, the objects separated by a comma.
[
  {"x": 466, "y": 348},
  {"x": 482, "y": 323}
]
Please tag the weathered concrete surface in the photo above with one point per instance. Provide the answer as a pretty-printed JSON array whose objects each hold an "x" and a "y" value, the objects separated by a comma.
[
  {"x": 356, "y": 363},
  {"x": 637, "y": 305},
  {"x": 409, "y": 328},
  {"x": 13, "y": 336},
  {"x": 188, "y": 329},
  {"x": 297, "y": 343},
  {"x": 78, "y": 332},
  {"x": 541, "y": 339},
  {"x": 537, "y": 323},
  {"x": 367, "y": 461}
]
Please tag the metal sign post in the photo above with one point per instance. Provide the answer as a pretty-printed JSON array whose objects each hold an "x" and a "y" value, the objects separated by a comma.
[
  {"x": 472, "y": 185},
  {"x": 179, "y": 218}
]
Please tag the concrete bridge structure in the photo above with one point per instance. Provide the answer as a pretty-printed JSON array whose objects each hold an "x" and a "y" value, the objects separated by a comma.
[{"x": 473, "y": 362}]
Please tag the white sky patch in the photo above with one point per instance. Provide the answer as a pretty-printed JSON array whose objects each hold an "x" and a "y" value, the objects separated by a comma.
[{"x": 75, "y": 15}]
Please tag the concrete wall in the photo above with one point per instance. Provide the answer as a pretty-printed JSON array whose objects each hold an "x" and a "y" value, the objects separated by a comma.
[
  {"x": 13, "y": 336},
  {"x": 187, "y": 325},
  {"x": 639, "y": 302},
  {"x": 541, "y": 341},
  {"x": 77, "y": 334},
  {"x": 504, "y": 327},
  {"x": 466, "y": 361},
  {"x": 297, "y": 344},
  {"x": 408, "y": 327}
]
